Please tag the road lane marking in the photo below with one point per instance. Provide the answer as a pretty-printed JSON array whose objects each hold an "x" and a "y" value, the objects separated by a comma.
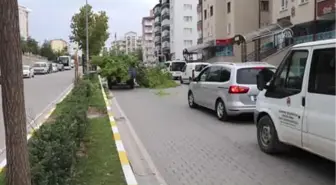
[
  {"x": 31, "y": 132},
  {"x": 126, "y": 167}
]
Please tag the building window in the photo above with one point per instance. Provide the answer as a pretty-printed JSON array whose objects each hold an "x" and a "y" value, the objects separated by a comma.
[
  {"x": 303, "y": 1},
  {"x": 187, "y": 7},
  {"x": 187, "y": 43},
  {"x": 284, "y": 4},
  {"x": 187, "y": 19},
  {"x": 205, "y": 14},
  {"x": 229, "y": 28},
  {"x": 187, "y": 31},
  {"x": 211, "y": 10},
  {"x": 228, "y": 7},
  {"x": 264, "y": 6}
]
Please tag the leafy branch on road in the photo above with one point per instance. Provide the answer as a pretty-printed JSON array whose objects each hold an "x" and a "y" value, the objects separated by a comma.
[{"x": 98, "y": 29}]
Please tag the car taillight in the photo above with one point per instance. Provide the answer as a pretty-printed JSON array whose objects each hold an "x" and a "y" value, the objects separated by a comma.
[{"x": 236, "y": 89}]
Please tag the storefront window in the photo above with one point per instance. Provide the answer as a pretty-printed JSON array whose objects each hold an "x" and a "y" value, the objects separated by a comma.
[{"x": 224, "y": 50}]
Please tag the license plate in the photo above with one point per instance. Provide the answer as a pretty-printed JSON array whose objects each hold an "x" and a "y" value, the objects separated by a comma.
[{"x": 253, "y": 98}]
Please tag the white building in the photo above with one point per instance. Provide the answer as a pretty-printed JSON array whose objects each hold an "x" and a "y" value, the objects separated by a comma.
[
  {"x": 183, "y": 26},
  {"x": 148, "y": 38},
  {"x": 133, "y": 42},
  {"x": 23, "y": 21}
]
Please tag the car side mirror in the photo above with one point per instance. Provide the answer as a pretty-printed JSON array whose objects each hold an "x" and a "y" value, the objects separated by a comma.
[{"x": 263, "y": 77}]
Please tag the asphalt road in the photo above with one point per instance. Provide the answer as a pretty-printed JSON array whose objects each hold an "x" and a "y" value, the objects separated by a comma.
[
  {"x": 39, "y": 93},
  {"x": 191, "y": 147}
]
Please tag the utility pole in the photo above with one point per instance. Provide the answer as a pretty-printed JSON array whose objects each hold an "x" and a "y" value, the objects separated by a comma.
[
  {"x": 87, "y": 35},
  {"x": 13, "y": 103}
]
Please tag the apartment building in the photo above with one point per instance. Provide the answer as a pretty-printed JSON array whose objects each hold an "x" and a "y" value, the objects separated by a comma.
[
  {"x": 129, "y": 44},
  {"x": 148, "y": 38},
  {"x": 183, "y": 26},
  {"x": 219, "y": 21},
  {"x": 58, "y": 45},
  {"x": 157, "y": 31},
  {"x": 311, "y": 19},
  {"x": 24, "y": 21},
  {"x": 119, "y": 46}
]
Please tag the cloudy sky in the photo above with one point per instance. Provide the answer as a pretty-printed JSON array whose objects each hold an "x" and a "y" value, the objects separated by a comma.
[{"x": 50, "y": 19}]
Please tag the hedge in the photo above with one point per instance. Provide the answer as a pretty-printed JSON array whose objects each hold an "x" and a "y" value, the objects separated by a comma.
[{"x": 53, "y": 148}]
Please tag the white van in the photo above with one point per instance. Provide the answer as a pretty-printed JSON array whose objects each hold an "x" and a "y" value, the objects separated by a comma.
[
  {"x": 191, "y": 70},
  {"x": 297, "y": 106},
  {"x": 41, "y": 67},
  {"x": 175, "y": 68}
]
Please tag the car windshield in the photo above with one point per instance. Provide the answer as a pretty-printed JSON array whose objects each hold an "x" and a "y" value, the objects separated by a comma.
[
  {"x": 39, "y": 65},
  {"x": 167, "y": 64},
  {"x": 199, "y": 67},
  {"x": 25, "y": 67},
  {"x": 177, "y": 66},
  {"x": 249, "y": 75}
]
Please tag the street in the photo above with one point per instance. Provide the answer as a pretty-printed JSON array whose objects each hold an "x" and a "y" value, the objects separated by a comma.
[
  {"x": 40, "y": 91},
  {"x": 190, "y": 146}
]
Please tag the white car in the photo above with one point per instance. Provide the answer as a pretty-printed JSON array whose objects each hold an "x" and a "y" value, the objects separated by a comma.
[
  {"x": 28, "y": 72},
  {"x": 191, "y": 70},
  {"x": 297, "y": 106},
  {"x": 54, "y": 67},
  {"x": 41, "y": 67},
  {"x": 175, "y": 68}
]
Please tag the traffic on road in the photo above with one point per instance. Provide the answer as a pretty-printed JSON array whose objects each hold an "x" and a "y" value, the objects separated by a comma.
[{"x": 274, "y": 125}]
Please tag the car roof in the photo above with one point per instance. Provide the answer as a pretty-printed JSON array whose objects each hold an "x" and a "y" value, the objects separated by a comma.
[
  {"x": 198, "y": 63},
  {"x": 243, "y": 64},
  {"x": 315, "y": 43}
]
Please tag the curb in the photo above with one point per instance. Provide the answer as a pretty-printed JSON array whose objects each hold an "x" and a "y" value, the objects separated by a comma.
[
  {"x": 126, "y": 167},
  {"x": 31, "y": 133}
]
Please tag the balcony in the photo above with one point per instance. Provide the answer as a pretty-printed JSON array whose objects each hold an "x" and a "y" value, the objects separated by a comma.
[
  {"x": 165, "y": 3},
  {"x": 157, "y": 43},
  {"x": 158, "y": 33},
  {"x": 165, "y": 27},
  {"x": 166, "y": 38},
  {"x": 165, "y": 14},
  {"x": 200, "y": 41},
  {"x": 157, "y": 24},
  {"x": 199, "y": 8},
  {"x": 200, "y": 25}
]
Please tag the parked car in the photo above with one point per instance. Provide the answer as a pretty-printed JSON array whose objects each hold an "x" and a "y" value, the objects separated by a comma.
[
  {"x": 191, "y": 70},
  {"x": 28, "y": 72},
  {"x": 54, "y": 67},
  {"x": 60, "y": 66},
  {"x": 228, "y": 88},
  {"x": 41, "y": 68},
  {"x": 297, "y": 106},
  {"x": 175, "y": 68}
]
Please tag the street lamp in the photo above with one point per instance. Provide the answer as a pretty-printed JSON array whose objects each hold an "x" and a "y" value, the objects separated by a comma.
[{"x": 87, "y": 34}]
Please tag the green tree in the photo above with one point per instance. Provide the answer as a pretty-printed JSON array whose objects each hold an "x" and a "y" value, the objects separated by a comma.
[
  {"x": 98, "y": 30},
  {"x": 139, "y": 54},
  {"x": 47, "y": 52},
  {"x": 32, "y": 46}
]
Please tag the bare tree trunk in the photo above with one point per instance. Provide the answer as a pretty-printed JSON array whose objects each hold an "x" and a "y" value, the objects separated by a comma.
[{"x": 13, "y": 104}]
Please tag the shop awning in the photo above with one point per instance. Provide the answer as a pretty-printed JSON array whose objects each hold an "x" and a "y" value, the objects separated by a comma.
[
  {"x": 270, "y": 30},
  {"x": 199, "y": 47}
]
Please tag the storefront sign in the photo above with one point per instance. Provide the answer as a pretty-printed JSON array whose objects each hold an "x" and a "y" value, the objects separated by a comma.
[
  {"x": 325, "y": 7},
  {"x": 224, "y": 42}
]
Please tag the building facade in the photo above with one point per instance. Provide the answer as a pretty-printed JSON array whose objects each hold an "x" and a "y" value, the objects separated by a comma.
[
  {"x": 219, "y": 21},
  {"x": 132, "y": 41},
  {"x": 148, "y": 39},
  {"x": 58, "y": 45},
  {"x": 24, "y": 21},
  {"x": 119, "y": 46},
  {"x": 183, "y": 26}
]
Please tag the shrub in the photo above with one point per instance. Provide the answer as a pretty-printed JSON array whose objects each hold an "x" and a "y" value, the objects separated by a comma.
[
  {"x": 52, "y": 150},
  {"x": 154, "y": 78}
]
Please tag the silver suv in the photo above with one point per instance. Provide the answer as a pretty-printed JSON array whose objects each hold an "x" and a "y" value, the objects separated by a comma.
[{"x": 228, "y": 88}]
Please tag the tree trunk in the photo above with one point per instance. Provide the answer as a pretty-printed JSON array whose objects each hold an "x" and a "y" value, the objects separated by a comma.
[{"x": 13, "y": 104}]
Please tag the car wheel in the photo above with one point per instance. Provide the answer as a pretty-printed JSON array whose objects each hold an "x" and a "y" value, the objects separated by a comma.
[
  {"x": 191, "y": 100},
  {"x": 267, "y": 136},
  {"x": 221, "y": 110}
]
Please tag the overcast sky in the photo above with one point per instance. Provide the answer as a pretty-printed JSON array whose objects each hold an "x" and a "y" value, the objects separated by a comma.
[{"x": 50, "y": 19}]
